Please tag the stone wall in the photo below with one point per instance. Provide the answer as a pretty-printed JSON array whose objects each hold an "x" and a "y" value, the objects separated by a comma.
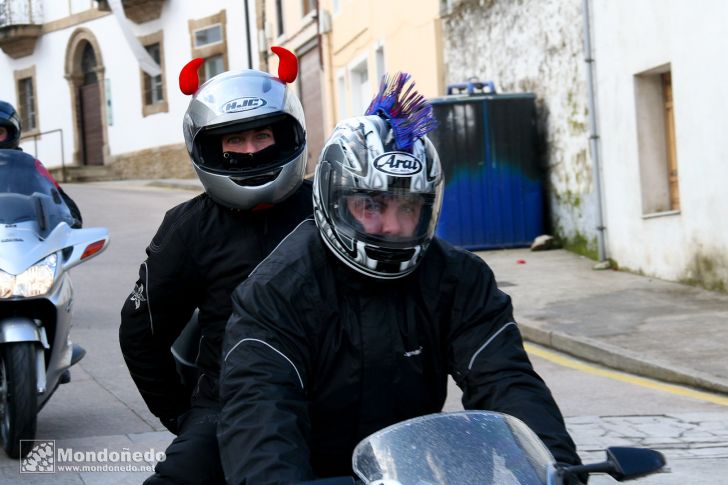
[
  {"x": 535, "y": 46},
  {"x": 169, "y": 161}
]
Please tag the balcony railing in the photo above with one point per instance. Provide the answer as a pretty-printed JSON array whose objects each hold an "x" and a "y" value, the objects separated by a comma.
[{"x": 21, "y": 23}]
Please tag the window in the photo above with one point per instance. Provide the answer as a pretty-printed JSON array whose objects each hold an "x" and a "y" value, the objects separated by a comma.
[
  {"x": 336, "y": 6},
  {"x": 27, "y": 102},
  {"x": 341, "y": 95},
  {"x": 208, "y": 41},
  {"x": 213, "y": 66},
  {"x": 153, "y": 85},
  {"x": 308, "y": 6},
  {"x": 381, "y": 69},
  {"x": 656, "y": 140},
  {"x": 666, "y": 79},
  {"x": 359, "y": 83},
  {"x": 88, "y": 65},
  {"x": 154, "y": 92},
  {"x": 208, "y": 36}
]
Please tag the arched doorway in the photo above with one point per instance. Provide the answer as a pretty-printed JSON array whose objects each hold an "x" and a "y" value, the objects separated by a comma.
[{"x": 85, "y": 73}]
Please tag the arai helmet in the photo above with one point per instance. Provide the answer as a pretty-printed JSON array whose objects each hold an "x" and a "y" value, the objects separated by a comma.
[{"x": 377, "y": 193}]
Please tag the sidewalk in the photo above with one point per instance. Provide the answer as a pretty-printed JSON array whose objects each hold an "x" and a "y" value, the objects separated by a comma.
[
  {"x": 184, "y": 184},
  {"x": 649, "y": 327}
]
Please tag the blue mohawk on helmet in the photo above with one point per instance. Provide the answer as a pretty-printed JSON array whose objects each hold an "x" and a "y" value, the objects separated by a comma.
[{"x": 409, "y": 113}]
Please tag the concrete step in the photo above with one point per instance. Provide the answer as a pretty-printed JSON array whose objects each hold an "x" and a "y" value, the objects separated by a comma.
[{"x": 85, "y": 173}]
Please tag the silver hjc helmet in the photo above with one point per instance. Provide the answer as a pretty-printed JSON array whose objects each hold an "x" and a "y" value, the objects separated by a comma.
[
  {"x": 240, "y": 100},
  {"x": 363, "y": 162}
]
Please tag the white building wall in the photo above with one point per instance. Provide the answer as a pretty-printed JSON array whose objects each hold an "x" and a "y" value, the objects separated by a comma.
[
  {"x": 129, "y": 130},
  {"x": 631, "y": 37}
]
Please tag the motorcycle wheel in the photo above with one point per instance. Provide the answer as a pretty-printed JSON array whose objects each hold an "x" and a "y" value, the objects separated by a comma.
[{"x": 18, "y": 397}]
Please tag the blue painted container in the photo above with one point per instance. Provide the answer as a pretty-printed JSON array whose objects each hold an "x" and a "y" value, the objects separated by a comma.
[{"x": 494, "y": 189}]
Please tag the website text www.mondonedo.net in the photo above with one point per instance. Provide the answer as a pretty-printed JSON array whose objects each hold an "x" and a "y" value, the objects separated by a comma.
[
  {"x": 44, "y": 457},
  {"x": 105, "y": 468}
]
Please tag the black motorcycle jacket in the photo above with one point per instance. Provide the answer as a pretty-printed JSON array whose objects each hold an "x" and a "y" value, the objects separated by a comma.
[
  {"x": 75, "y": 211},
  {"x": 200, "y": 253},
  {"x": 316, "y": 357}
]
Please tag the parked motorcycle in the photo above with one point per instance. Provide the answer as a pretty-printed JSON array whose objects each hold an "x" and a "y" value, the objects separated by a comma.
[
  {"x": 481, "y": 447},
  {"x": 37, "y": 249}
]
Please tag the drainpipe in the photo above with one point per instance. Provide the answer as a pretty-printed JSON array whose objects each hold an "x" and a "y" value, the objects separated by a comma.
[
  {"x": 594, "y": 133},
  {"x": 247, "y": 34}
]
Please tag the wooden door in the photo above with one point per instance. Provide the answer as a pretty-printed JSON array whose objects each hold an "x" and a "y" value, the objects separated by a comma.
[
  {"x": 92, "y": 145},
  {"x": 310, "y": 84},
  {"x": 670, "y": 142}
]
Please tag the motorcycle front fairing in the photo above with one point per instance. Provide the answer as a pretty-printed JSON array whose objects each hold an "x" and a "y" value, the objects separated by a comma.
[
  {"x": 455, "y": 448},
  {"x": 35, "y": 228}
]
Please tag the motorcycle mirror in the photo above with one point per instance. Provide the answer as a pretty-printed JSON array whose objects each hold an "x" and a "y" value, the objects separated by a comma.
[
  {"x": 623, "y": 463},
  {"x": 634, "y": 462}
]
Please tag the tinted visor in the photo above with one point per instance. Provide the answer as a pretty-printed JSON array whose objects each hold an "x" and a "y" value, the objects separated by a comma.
[
  {"x": 395, "y": 218},
  {"x": 288, "y": 142}
]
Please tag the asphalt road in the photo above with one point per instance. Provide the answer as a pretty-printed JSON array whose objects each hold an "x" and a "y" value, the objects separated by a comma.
[{"x": 101, "y": 409}]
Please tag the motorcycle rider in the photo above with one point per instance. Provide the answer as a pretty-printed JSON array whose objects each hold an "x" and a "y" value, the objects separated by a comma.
[
  {"x": 355, "y": 321},
  {"x": 251, "y": 163},
  {"x": 10, "y": 128}
]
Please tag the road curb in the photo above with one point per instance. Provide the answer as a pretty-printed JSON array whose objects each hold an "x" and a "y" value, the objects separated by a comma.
[
  {"x": 620, "y": 359},
  {"x": 175, "y": 185}
]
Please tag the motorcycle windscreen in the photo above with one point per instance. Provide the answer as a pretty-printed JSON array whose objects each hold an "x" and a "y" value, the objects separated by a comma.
[
  {"x": 454, "y": 448},
  {"x": 28, "y": 195}
]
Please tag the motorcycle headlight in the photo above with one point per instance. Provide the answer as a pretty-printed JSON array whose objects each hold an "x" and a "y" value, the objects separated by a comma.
[
  {"x": 35, "y": 281},
  {"x": 7, "y": 284}
]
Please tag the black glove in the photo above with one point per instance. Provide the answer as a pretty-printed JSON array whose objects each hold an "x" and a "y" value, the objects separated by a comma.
[
  {"x": 172, "y": 424},
  {"x": 580, "y": 479},
  {"x": 571, "y": 478}
]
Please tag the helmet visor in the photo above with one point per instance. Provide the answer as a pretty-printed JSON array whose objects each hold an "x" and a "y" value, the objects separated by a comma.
[
  {"x": 394, "y": 218},
  {"x": 286, "y": 141}
]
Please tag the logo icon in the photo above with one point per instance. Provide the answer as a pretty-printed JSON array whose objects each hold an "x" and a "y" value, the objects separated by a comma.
[
  {"x": 42, "y": 456},
  {"x": 243, "y": 104},
  {"x": 400, "y": 164},
  {"x": 137, "y": 296}
]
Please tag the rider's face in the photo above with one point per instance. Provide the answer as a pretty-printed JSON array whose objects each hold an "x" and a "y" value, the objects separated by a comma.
[
  {"x": 248, "y": 141},
  {"x": 3, "y": 133},
  {"x": 386, "y": 215}
]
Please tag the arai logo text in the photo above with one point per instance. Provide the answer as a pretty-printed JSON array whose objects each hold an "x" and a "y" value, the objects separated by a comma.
[
  {"x": 398, "y": 163},
  {"x": 243, "y": 104}
]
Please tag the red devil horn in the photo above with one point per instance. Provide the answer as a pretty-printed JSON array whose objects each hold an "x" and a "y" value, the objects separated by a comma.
[
  {"x": 189, "y": 81},
  {"x": 288, "y": 65}
]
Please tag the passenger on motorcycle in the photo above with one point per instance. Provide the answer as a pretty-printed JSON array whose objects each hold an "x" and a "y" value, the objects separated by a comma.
[
  {"x": 251, "y": 163},
  {"x": 10, "y": 129},
  {"x": 356, "y": 320}
]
